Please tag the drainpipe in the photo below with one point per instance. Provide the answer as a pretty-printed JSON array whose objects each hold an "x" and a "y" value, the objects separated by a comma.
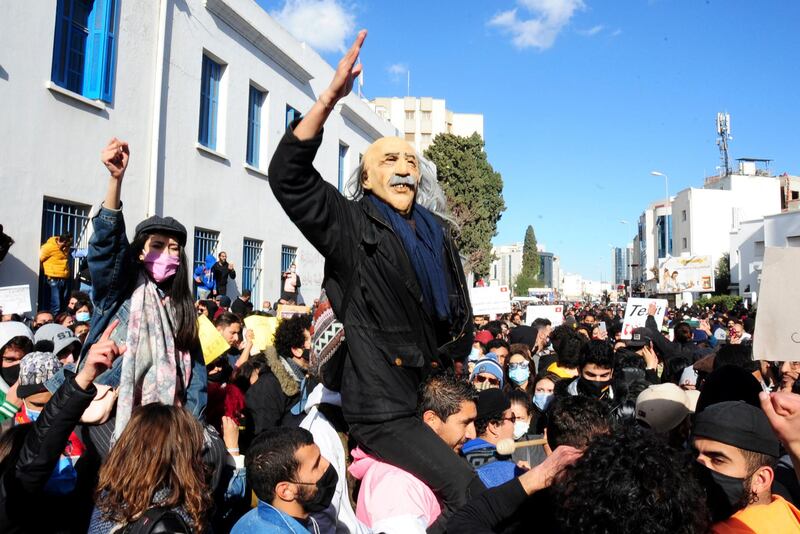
[{"x": 155, "y": 135}]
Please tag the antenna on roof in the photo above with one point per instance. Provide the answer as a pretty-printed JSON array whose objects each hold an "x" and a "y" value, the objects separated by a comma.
[{"x": 723, "y": 135}]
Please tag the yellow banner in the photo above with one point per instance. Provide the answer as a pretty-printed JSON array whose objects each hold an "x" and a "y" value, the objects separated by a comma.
[
  {"x": 211, "y": 341},
  {"x": 263, "y": 330}
]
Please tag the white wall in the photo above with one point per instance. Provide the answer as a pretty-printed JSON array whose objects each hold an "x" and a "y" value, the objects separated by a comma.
[
  {"x": 53, "y": 150},
  {"x": 50, "y": 143}
]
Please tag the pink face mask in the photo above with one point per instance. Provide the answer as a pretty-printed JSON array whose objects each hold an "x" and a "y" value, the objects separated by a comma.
[{"x": 161, "y": 266}]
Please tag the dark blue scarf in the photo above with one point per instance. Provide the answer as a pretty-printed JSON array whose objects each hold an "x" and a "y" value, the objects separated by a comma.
[{"x": 425, "y": 249}]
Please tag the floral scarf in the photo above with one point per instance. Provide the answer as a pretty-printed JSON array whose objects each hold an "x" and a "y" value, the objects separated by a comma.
[{"x": 153, "y": 370}]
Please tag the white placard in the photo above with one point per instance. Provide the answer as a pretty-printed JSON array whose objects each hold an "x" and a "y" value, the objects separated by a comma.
[
  {"x": 490, "y": 300},
  {"x": 554, "y": 313},
  {"x": 636, "y": 314},
  {"x": 777, "y": 333},
  {"x": 15, "y": 299}
]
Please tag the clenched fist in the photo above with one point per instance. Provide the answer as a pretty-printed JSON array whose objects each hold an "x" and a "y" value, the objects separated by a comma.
[{"x": 115, "y": 157}]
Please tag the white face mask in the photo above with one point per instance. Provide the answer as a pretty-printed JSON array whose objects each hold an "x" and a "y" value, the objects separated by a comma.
[{"x": 520, "y": 428}]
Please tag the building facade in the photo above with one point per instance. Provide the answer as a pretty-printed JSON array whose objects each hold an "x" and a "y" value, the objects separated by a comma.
[
  {"x": 507, "y": 264},
  {"x": 653, "y": 241},
  {"x": 747, "y": 244},
  {"x": 202, "y": 91},
  {"x": 550, "y": 270},
  {"x": 621, "y": 260},
  {"x": 704, "y": 218},
  {"x": 420, "y": 120}
]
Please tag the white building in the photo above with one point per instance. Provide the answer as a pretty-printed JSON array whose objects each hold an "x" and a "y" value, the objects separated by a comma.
[
  {"x": 747, "y": 244},
  {"x": 652, "y": 241},
  {"x": 704, "y": 218},
  {"x": 422, "y": 119},
  {"x": 202, "y": 91},
  {"x": 506, "y": 265}
]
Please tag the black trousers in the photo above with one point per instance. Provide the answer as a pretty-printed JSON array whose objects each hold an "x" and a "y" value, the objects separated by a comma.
[{"x": 411, "y": 445}]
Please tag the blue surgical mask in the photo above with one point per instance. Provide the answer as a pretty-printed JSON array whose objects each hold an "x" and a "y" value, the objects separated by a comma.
[
  {"x": 33, "y": 415},
  {"x": 519, "y": 375},
  {"x": 542, "y": 400},
  {"x": 474, "y": 355},
  {"x": 83, "y": 317}
]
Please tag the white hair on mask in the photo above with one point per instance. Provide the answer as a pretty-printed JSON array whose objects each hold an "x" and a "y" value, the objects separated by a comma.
[{"x": 429, "y": 193}]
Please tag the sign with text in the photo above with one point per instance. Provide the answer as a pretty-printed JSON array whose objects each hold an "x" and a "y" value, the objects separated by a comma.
[
  {"x": 490, "y": 300},
  {"x": 681, "y": 274},
  {"x": 636, "y": 314},
  {"x": 777, "y": 333},
  {"x": 212, "y": 343},
  {"x": 15, "y": 299},
  {"x": 286, "y": 311},
  {"x": 263, "y": 330},
  {"x": 554, "y": 313}
]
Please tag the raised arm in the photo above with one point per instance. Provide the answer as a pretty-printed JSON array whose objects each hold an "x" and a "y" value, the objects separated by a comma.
[
  {"x": 340, "y": 87},
  {"x": 108, "y": 246},
  {"x": 318, "y": 209}
]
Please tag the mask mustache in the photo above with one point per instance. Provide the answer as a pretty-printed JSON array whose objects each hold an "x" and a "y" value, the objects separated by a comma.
[{"x": 409, "y": 181}]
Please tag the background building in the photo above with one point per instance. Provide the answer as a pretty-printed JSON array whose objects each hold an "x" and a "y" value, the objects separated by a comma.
[
  {"x": 422, "y": 119},
  {"x": 652, "y": 241},
  {"x": 550, "y": 270},
  {"x": 747, "y": 244},
  {"x": 704, "y": 218},
  {"x": 202, "y": 90},
  {"x": 621, "y": 259},
  {"x": 506, "y": 265}
]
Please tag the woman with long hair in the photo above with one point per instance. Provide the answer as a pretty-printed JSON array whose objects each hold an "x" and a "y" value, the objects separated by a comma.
[
  {"x": 518, "y": 369},
  {"x": 145, "y": 285},
  {"x": 156, "y": 463}
]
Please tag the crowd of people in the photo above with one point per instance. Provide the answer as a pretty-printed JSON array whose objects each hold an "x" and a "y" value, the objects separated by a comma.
[{"x": 389, "y": 407}]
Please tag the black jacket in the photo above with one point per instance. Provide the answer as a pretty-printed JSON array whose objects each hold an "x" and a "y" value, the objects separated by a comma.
[
  {"x": 24, "y": 507},
  {"x": 221, "y": 273},
  {"x": 269, "y": 401},
  {"x": 393, "y": 344}
]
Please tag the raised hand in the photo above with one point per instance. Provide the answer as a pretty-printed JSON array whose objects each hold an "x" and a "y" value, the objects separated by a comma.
[
  {"x": 230, "y": 435},
  {"x": 346, "y": 72},
  {"x": 100, "y": 357},
  {"x": 652, "y": 308},
  {"x": 115, "y": 157}
]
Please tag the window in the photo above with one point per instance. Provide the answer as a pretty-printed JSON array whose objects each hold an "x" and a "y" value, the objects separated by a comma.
[
  {"x": 410, "y": 137},
  {"x": 342, "y": 165},
  {"x": 288, "y": 255},
  {"x": 793, "y": 241},
  {"x": 254, "y": 125},
  {"x": 85, "y": 47},
  {"x": 683, "y": 215},
  {"x": 205, "y": 243},
  {"x": 426, "y": 115},
  {"x": 61, "y": 218},
  {"x": 426, "y": 140},
  {"x": 410, "y": 115},
  {"x": 251, "y": 267},
  {"x": 684, "y": 243},
  {"x": 291, "y": 115},
  {"x": 209, "y": 102}
]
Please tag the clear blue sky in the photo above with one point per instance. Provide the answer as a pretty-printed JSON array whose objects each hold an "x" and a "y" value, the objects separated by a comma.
[{"x": 607, "y": 92}]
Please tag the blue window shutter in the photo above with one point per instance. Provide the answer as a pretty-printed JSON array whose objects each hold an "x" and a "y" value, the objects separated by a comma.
[
  {"x": 213, "y": 103},
  {"x": 202, "y": 135},
  {"x": 61, "y": 43},
  {"x": 254, "y": 126},
  {"x": 94, "y": 59},
  {"x": 110, "y": 53}
]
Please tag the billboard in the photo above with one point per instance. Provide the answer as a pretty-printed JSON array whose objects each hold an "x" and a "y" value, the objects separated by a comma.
[{"x": 694, "y": 273}]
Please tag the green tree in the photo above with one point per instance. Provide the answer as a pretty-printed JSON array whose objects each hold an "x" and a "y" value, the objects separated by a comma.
[
  {"x": 722, "y": 274},
  {"x": 474, "y": 194},
  {"x": 530, "y": 253}
]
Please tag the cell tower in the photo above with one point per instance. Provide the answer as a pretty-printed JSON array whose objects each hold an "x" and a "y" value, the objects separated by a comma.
[{"x": 723, "y": 135}]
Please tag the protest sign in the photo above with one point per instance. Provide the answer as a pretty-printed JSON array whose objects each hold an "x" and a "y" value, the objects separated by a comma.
[
  {"x": 263, "y": 330},
  {"x": 636, "y": 314},
  {"x": 211, "y": 341},
  {"x": 777, "y": 333},
  {"x": 490, "y": 300},
  {"x": 15, "y": 299},
  {"x": 554, "y": 313},
  {"x": 287, "y": 312}
]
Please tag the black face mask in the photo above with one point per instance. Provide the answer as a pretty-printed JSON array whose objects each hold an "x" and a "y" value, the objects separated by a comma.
[
  {"x": 306, "y": 354},
  {"x": 593, "y": 388},
  {"x": 326, "y": 487},
  {"x": 10, "y": 374},
  {"x": 725, "y": 495}
]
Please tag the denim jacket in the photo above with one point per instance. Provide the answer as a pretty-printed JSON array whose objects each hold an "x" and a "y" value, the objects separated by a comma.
[{"x": 114, "y": 279}]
